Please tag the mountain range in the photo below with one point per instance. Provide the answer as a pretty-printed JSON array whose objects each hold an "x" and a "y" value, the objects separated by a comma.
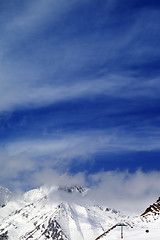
[{"x": 66, "y": 213}]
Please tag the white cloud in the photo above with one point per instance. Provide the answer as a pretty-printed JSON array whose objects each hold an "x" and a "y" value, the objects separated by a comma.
[
  {"x": 128, "y": 192},
  {"x": 27, "y": 166},
  {"x": 27, "y": 157},
  {"x": 48, "y": 176},
  {"x": 12, "y": 166},
  {"x": 123, "y": 191}
]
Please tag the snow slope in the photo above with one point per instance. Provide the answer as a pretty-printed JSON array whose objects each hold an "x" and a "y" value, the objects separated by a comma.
[{"x": 67, "y": 214}]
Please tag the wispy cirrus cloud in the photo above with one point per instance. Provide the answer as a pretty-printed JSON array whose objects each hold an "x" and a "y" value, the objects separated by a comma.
[
  {"x": 29, "y": 156},
  {"x": 39, "y": 68},
  {"x": 26, "y": 95},
  {"x": 79, "y": 144}
]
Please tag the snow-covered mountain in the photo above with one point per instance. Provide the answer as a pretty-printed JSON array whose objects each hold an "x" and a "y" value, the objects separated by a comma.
[
  {"x": 153, "y": 210},
  {"x": 65, "y": 213}
]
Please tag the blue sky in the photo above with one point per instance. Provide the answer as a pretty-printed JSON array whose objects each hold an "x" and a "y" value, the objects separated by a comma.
[{"x": 79, "y": 88}]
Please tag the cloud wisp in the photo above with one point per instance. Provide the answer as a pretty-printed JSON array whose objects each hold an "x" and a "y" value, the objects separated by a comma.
[
  {"x": 89, "y": 142},
  {"x": 120, "y": 190},
  {"x": 38, "y": 71},
  {"x": 27, "y": 157},
  {"x": 127, "y": 192},
  {"x": 132, "y": 192},
  {"x": 113, "y": 86}
]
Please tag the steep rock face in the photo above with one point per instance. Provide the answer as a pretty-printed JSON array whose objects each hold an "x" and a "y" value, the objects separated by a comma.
[
  {"x": 54, "y": 231},
  {"x": 153, "y": 209}
]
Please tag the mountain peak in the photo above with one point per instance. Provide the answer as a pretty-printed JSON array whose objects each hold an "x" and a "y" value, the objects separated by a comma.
[
  {"x": 153, "y": 209},
  {"x": 47, "y": 213},
  {"x": 72, "y": 189},
  {"x": 65, "y": 213}
]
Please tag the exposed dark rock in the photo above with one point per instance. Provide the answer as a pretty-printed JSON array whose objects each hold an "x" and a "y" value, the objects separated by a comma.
[
  {"x": 153, "y": 209},
  {"x": 73, "y": 189},
  {"x": 54, "y": 231},
  {"x": 4, "y": 236}
]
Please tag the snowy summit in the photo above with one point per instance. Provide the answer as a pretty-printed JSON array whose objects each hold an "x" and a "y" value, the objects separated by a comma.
[{"x": 55, "y": 213}]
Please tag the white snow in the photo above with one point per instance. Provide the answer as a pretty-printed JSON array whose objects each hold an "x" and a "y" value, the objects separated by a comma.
[{"x": 36, "y": 212}]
